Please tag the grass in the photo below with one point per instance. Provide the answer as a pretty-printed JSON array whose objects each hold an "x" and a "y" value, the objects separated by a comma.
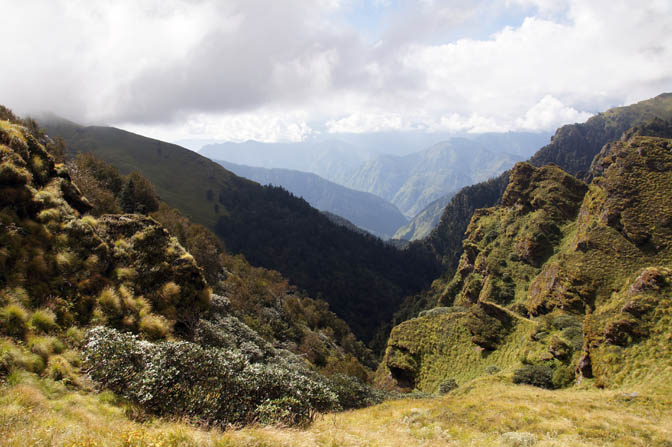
[{"x": 43, "y": 412}]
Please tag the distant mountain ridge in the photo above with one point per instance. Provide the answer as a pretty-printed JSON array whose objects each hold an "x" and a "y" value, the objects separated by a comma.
[
  {"x": 390, "y": 165},
  {"x": 413, "y": 181},
  {"x": 330, "y": 159},
  {"x": 365, "y": 210}
]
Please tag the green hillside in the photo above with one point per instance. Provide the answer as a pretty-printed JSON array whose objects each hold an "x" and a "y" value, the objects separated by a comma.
[
  {"x": 572, "y": 148},
  {"x": 563, "y": 282},
  {"x": 362, "y": 279}
]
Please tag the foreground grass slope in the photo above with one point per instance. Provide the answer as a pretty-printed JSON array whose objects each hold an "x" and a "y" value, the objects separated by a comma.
[{"x": 41, "y": 412}]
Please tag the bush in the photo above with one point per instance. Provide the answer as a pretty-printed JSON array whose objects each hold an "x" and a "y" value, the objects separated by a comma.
[
  {"x": 11, "y": 357},
  {"x": 212, "y": 385},
  {"x": 13, "y": 318},
  {"x": 45, "y": 346},
  {"x": 154, "y": 327},
  {"x": 447, "y": 386},
  {"x": 536, "y": 375},
  {"x": 563, "y": 377},
  {"x": 59, "y": 368},
  {"x": 43, "y": 320},
  {"x": 352, "y": 393},
  {"x": 286, "y": 411}
]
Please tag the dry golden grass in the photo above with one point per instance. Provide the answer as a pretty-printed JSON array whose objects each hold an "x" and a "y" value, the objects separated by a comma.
[{"x": 40, "y": 412}]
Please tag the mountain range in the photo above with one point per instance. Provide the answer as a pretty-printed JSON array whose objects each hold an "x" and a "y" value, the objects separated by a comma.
[
  {"x": 365, "y": 210},
  {"x": 402, "y": 175},
  {"x": 547, "y": 286}
]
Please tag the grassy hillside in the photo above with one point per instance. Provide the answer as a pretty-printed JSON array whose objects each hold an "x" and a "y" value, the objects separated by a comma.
[
  {"x": 562, "y": 282},
  {"x": 41, "y": 412},
  {"x": 361, "y": 278},
  {"x": 573, "y": 148}
]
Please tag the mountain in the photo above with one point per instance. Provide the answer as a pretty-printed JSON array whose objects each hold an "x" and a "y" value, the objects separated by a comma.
[
  {"x": 365, "y": 210},
  {"x": 413, "y": 181},
  {"x": 361, "y": 278},
  {"x": 116, "y": 302},
  {"x": 331, "y": 159},
  {"x": 572, "y": 148},
  {"x": 425, "y": 221},
  {"x": 562, "y": 282}
]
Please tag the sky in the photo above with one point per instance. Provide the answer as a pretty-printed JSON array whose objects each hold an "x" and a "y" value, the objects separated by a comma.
[{"x": 291, "y": 70}]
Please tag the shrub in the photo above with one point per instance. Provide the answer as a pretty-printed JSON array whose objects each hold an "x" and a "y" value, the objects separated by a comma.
[
  {"x": 215, "y": 386},
  {"x": 536, "y": 375},
  {"x": 125, "y": 274},
  {"x": 60, "y": 369},
  {"x": 565, "y": 321},
  {"x": 447, "y": 385},
  {"x": 563, "y": 377},
  {"x": 43, "y": 320},
  {"x": 286, "y": 411},
  {"x": 45, "y": 346},
  {"x": 574, "y": 335},
  {"x": 154, "y": 327},
  {"x": 353, "y": 393},
  {"x": 74, "y": 335},
  {"x": 110, "y": 302},
  {"x": 170, "y": 292},
  {"x": 12, "y": 356},
  {"x": 13, "y": 318}
]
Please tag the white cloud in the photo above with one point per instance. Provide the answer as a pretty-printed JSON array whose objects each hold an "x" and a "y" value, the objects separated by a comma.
[
  {"x": 263, "y": 70},
  {"x": 264, "y": 127},
  {"x": 550, "y": 113}
]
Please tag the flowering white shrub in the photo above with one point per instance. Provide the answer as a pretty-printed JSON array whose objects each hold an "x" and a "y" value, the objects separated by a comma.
[{"x": 216, "y": 386}]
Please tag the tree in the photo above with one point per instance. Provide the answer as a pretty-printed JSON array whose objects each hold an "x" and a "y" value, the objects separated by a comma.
[{"x": 127, "y": 199}]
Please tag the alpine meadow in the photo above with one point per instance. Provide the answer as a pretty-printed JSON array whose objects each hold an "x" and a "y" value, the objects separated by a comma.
[{"x": 338, "y": 223}]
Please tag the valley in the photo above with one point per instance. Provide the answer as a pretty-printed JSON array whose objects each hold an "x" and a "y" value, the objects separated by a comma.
[{"x": 370, "y": 223}]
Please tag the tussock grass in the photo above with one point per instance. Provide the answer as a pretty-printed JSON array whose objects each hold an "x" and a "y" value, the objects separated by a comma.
[{"x": 485, "y": 412}]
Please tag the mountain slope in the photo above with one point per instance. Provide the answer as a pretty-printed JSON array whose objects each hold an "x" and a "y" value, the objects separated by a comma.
[
  {"x": 572, "y": 148},
  {"x": 563, "y": 281},
  {"x": 413, "y": 181},
  {"x": 425, "y": 221},
  {"x": 331, "y": 159},
  {"x": 365, "y": 210},
  {"x": 361, "y": 278}
]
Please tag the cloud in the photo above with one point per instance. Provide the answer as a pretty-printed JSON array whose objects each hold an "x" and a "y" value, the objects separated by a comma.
[
  {"x": 550, "y": 113},
  {"x": 277, "y": 70}
]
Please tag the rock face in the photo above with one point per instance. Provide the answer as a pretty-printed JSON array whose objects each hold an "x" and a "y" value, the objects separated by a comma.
[
  {"x": 561, "y": 275},
  {"x": 124, "y": 270}
]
